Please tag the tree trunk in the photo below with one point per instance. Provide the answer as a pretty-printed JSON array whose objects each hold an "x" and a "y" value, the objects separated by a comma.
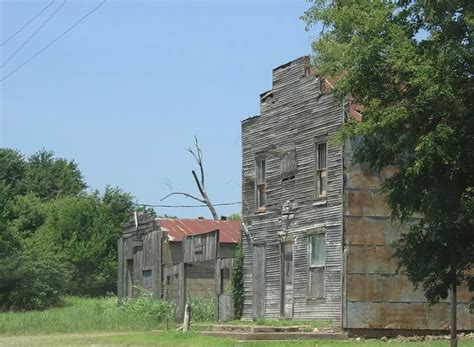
[{"x": 454, "y": 324}]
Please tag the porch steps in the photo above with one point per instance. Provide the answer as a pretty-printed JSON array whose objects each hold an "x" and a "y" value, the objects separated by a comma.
[{"x": 276, "y": 333}]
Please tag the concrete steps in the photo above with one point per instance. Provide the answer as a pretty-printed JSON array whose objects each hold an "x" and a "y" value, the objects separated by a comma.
[{"x": 276, "y": 333}]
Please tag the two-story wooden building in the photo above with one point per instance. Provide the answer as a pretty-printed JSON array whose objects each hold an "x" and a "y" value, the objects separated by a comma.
[{"x": 318, "y": 233}]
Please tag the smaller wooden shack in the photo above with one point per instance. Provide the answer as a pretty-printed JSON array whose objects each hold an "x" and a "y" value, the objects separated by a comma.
[{"x": 178, "y": 259}]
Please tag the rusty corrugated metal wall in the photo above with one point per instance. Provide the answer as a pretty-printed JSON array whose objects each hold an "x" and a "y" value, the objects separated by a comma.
[{"x": 378, "y": 297}]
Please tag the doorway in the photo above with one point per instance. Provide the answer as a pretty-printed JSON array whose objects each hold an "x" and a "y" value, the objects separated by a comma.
[
  {"x": 258, "y": 281},
  {"x": 287, "y": 279}
]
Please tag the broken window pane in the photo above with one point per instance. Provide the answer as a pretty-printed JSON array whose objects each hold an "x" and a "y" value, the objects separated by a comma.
[
  {"x": 317, "y": 265},
  {"x": 260, "y": 182},
  {"x": 321, "y": 170},
  {"x": 318, "y": 250}
]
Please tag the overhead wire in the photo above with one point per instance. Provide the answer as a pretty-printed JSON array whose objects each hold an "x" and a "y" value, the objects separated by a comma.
[
  {"x": 27, "y": 23},
  {"x": 33, "y": 34},
  {"x": 53, "y": 41},
  {"x": 35, "y": 184}
]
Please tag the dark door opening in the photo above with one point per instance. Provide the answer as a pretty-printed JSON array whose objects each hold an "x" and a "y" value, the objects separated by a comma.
[{"x": 287, "y": 280}]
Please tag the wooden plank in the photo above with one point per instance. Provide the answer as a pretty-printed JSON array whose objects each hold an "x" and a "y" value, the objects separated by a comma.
[
  {"x": 258, "y": 280},
  {"x": 181, "y": 290},
  {"x": 202, "y": 247}
]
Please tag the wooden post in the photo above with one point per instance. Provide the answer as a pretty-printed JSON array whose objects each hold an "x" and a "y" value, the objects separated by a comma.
[
  {"x": 187, "y": 318},
  {"x": 454, "y": 336},
  {"x": 182, "y": 290}
]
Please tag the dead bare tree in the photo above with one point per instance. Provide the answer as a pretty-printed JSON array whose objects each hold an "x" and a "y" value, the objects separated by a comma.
[{"x": 197, "y": 154}]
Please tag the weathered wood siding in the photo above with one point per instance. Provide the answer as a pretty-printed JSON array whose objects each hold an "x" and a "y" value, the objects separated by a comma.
[
  {"x": 377, "y": 296},
  {"x": 201, "y": 247},
  {"x": 139, "y": 252},
  {"x": 293, "y": 114}
]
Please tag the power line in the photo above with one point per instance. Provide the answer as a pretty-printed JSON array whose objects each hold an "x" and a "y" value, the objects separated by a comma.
[
  {"x": 54, "y": 41},
  {"x": 34, "y": 33},
  {"x": 189, "y": 206},
  {"x": 35, "y": 184},
  {"x": 27, "y": 23}
]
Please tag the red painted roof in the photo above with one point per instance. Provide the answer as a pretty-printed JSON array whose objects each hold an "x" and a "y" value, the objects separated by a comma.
[{"x": 177, "y": 229}]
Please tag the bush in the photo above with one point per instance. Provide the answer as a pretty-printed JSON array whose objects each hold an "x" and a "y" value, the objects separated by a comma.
[
  {"x": 148, "y": 308},
  {"x": 31, "y": 282},
  {"x": 238, "y": 282},
  {"x": 202, "y": 309}
]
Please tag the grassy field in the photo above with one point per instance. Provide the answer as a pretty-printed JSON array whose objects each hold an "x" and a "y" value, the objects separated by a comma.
[
  {"x": 102, "y": 322},
  {"x": 87, "y": 315},
  {"x": 174, "y": 339}
]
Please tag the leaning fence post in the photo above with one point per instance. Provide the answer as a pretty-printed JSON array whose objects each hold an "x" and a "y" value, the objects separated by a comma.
[{"x": 187, "y": 318}]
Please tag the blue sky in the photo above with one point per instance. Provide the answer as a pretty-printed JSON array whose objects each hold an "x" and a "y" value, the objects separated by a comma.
[{"x": 126, "y": 90}]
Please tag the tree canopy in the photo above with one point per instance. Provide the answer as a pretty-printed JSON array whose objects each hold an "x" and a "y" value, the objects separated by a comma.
[
  {"x": 56, "y": 237},
  {"x": 410, "y": 64}
]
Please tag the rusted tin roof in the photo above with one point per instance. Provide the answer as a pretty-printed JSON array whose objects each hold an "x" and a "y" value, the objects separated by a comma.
[{"x": 177, "y": 229}]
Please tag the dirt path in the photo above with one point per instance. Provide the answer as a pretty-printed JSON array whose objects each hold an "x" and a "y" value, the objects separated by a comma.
[{"x": 84, "y": 339}]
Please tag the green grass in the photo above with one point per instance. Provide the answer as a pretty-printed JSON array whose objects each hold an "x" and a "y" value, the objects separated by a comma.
[
  {"x": 191, "y": 339},
  {"x": 104, "y": 322},
  {"x": 86, "y": 315},
  {"x": 175, "y": 339}
]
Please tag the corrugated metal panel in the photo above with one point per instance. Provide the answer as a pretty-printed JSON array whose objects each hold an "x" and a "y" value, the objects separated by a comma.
[
  {"x": 177, "y": 229},
  {"x": 377, "y": 296}
]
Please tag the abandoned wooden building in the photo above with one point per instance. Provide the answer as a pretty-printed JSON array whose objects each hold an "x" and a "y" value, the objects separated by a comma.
[
  {"x": 317, "y": 237},
  {"x": 177, "y": 259}
]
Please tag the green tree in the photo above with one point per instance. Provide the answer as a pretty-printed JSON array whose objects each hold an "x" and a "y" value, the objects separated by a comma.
[
  {"x": 85, "y": 230},
  {"x": 49, "y": 177},
  {"x": 235, "y": 216},
  {"x": 410, "y": 63},
  {"x": 55, "y": 237}
]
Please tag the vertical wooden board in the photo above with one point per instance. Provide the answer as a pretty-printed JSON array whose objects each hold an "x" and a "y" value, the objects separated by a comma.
[
  {"x": 258, "y": 281},
  {"x": 181, "y": 290}
]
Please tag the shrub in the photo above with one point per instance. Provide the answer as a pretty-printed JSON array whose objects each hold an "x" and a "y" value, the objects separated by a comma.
[
  {"x": 202, "y": 309},
  {"x": 31, "y": 282},
  {"x": 237, "y": 280},
  {"x": 148, "y": 308}
]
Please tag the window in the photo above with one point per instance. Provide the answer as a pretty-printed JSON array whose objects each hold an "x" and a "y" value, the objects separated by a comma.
[
  {"x": 147, "y": 282},
  {"x": 261, "y": 185},
  {"x": 321, "y": 170},
  {"x": 317, "y": 265}
]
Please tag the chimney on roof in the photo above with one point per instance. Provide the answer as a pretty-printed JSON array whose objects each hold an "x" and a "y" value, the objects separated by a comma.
[
  {"x": 201, "y": 218},
  {"x": 223, "y": 217}
]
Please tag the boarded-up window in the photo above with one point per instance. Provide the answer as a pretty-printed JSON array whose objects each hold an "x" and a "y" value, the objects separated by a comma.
[
  {"x": 197, "y": 245},
  {"x": 147, "y": 282},
  {"x": 321, "y": 175},
  {"x": 317, "y": 265},
  {"x": 261, "y": 183},
  {"x": 225, "y": 285},
  {"x": 288, "y": 164}
]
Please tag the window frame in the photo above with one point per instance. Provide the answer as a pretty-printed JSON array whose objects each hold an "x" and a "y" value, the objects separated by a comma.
[
  {"x": 311, "y": 234},
  {"x": 149, "y": 278},
  {"x": 318, "y": 172},
  {"x": 260, "y": 183}
]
